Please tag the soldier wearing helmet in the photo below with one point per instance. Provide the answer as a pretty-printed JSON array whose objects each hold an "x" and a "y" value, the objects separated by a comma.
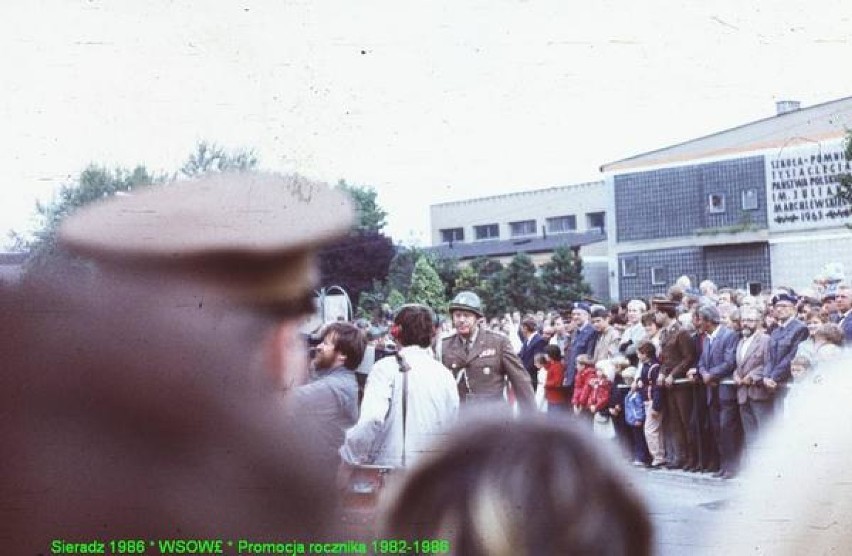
[{"x": 482, "y": 360}]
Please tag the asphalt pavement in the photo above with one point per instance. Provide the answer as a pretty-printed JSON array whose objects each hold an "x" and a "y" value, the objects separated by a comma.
[{"x": 684, "y": 508}]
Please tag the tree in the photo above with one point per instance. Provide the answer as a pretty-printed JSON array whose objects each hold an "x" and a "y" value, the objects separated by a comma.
[
  {"x": 522, "y": 286},
  {"x": 562, "y": 279},
  {"x": 490, "y": 285},
  {"x": 210, "y": 157},
  {"x": 401, "y": 268},
  {"x": 93, "y": 183},
  {"x": 426, "y": 286},
  {"x": 371, "y": 217},
  {"x": 467, "y": 279},
  {"x": 356, "y": 262},
  {"x": 448, "y": 271}
]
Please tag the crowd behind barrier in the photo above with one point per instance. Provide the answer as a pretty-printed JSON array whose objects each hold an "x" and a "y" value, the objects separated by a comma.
[{"x": 686, "y": 381}]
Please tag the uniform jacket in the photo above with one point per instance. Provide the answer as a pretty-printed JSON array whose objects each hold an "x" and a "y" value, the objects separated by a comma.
[
  {"x": 677, "y": 351},
  {"x": 753, "y": 364},
  {"x": 488, "y": 363},
  {"x": 718, "y": 358},
  {"x": 581, "y": 343},
  {"x": 783, "y": 343},
  {"x": 606, "y": 346}
]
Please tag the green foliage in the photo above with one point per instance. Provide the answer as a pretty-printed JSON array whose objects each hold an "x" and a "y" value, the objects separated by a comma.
[
  {"x": 371, "y": 216},
  {"x": 93, "y": 183},
  {"x": 486, "y": 277},
  {"x": 210, "y": 157},
  {"x": 401, "y": 268},
  {"x": 562, "y": 279},
  {"x": 426, "y": 286},
  {"x": 467, "y": 279},
  {"x": 448, "y": 271},
  {"x": 521, "y": 284},
  {"x": 395, "y": 300}
]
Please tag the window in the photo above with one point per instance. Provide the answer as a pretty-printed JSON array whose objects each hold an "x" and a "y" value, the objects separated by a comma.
[
  {"x": 754, "y": 288},
  {"x": 523, "y": 228},
  {"x": 561, "y": 224},
  {"x": 658, "y": 276},
  {"x": 629, "y": 266},
  {"x": 715, "y": 203},
  {"x": 450, "y": 235},
  {"x": 596, "y": 221},
  {"x": 750, "y": 199},
  {"x": 488, "y": 231}
]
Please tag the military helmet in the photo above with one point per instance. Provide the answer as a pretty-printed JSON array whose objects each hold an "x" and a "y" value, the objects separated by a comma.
[{"x": 467, "y": 301}]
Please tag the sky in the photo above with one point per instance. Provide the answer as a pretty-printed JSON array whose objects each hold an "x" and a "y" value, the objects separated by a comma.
[{"x": 427, "y": 102}]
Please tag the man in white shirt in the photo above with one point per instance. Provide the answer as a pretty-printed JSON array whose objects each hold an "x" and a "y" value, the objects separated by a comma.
[{"x": 409, "y": 402}]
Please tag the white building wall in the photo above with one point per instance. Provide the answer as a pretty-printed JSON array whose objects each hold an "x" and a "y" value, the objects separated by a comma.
[
  {"x": 538, "y": 205},
  {"x": 798, "y": 259}
]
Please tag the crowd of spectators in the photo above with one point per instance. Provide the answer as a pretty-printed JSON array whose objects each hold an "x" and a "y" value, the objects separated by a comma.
[{"x": 686, "y": 381}]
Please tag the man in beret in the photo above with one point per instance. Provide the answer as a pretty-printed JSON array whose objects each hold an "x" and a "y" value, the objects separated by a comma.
[{"x": 783, "y": 343}]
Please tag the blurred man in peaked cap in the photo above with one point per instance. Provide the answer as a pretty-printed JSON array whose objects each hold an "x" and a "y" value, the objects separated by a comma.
[
  {"x": 139, "y": 393},
  {"x": 225, "y": 242}
]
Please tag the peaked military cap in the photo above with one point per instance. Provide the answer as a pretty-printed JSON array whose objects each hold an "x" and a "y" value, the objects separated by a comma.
[{"x": 251, "y": 236}]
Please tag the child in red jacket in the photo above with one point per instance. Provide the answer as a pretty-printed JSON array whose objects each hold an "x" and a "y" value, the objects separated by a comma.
[
  {"x": 599, "y": 387},
  {"x": 585, "y": 372},
  {"x": 555, "y": 394}
]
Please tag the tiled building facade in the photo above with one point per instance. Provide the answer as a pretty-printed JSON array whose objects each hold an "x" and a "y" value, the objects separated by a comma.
[{"x": 752, "y": 207}]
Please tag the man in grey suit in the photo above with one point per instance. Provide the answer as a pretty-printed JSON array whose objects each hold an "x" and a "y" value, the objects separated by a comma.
[
  {"x": 843, "y": 300},
  {"x": 755, "y": 401},
  {"x": 716, "y": 364},
  {"x": 783, "y": 342}
]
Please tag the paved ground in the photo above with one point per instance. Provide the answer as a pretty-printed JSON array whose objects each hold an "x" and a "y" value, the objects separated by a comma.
[{"x": 684, "y": 507}]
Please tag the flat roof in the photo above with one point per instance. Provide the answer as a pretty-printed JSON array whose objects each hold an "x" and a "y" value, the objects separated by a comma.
[{"x": 828, "y": 120}]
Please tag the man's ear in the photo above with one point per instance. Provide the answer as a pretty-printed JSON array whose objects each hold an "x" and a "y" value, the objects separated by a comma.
[{"x": 285, "y": 357}]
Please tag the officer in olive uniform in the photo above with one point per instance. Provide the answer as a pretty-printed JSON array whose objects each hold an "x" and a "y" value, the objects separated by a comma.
[{"x": 482, "y": 360}]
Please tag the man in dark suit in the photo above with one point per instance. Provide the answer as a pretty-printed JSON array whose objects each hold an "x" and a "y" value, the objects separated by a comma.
[
  {"x": 843, "y": 300},
  {"x": 717, "y": 362},
  {"x": 755, "y": 401},
  {"x": 783, "y": 342},
  {"x": 481, "y": 360},
  {"x": 534, "y": 343},
  {"x": 582, "y": 343},
  {"x": 677, "y": 356}
]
